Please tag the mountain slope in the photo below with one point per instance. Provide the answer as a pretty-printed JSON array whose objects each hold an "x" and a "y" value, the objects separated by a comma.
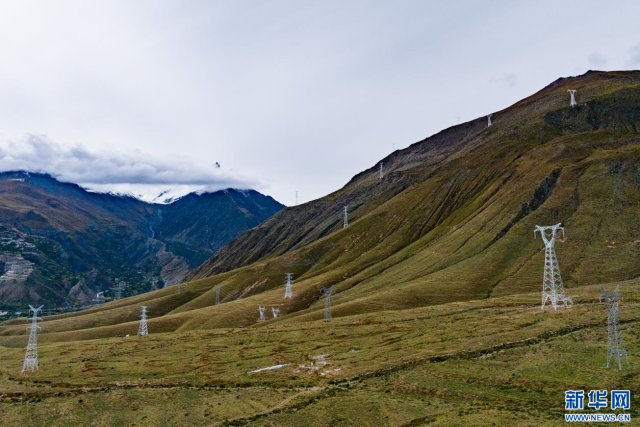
[
  {"x": 453, "y": 217},
  {"x": 452, "y": 220},
  {"x": 209, "y": 220},
  {"x": 60, "y": 244}
]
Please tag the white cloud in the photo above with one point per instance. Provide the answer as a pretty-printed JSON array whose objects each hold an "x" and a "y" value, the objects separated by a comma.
[{"x": 133, "y": 172}]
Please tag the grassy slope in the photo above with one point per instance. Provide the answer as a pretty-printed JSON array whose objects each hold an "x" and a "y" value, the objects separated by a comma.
[
  {"x": 436, "y": 241},
  {"x": 476, "y": 361},
  {"x": 432, "y": 233}
]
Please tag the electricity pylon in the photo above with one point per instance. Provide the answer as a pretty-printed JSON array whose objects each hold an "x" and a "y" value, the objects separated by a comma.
[
  {"x": 381, "y": 172},
  {"x": 142, "y": 329},
  {"x": 615, "y": 342},
  {"x": 275, "y": 312},
  {"x": 327, "y": 303},
  {"x": 346, "y": 217},
  {"x": 216, "y": 288},
  {"x": 288, "y": 290},
  {"x": 573, "y": 98},
  {"x": 552, "y": 288},
  {"x": 118, "y": 290},
  {"x": 31, "y": 357},
  {"x": 489, "y": 119},
  {"x": 262, "y": 310}
]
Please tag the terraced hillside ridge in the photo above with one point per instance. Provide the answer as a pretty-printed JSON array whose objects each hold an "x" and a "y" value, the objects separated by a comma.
[{"x": 60, "y": 245}]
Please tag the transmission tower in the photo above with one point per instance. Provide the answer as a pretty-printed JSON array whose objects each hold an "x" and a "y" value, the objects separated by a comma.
[
  {"x": 31, "y": 357},
  {"x": 118, "y": 290},
  {"x": 381, "y": 172},
  {"x": 262, "y": 310},
  {"x": 142, "y": 329},
  {"x": 288, "y": 291},
  {"x": 573, "y": 97},
  {"x": 552, "y": 288},
  {"x": 615, "y": 342},
  {"x": 346, "y": 217},
  {"x": 489, "y": 119},
  {"x": 327, "y": 303},
  {"x": 296, "y": 198},
  {"x": 216, "y": 288},
  {"x": 275, "y": 311}
]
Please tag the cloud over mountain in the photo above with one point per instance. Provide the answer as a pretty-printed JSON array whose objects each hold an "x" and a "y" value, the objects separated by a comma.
[{"x": 133, "y": 172}]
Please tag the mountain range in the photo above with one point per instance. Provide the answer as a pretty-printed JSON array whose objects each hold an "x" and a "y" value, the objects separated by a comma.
[
  {"x": 60, "y": 245},
  {"x": 451, "y": 220}
]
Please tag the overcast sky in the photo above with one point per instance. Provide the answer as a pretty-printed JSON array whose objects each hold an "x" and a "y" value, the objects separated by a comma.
[{"x": 301, "y": 95}]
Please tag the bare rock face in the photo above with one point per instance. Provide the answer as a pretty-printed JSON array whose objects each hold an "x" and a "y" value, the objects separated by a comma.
[{"x": 15, "y": 272}]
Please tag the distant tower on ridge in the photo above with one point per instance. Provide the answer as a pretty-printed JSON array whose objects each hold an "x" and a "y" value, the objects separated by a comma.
[
  {"x": 573, "y": 98},
  {"x": 489, "y": 119},
  {"x": 381, "y": 172},
  {"x": 346, "y": 217}
]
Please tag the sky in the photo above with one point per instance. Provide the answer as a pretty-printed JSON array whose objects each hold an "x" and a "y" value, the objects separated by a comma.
[{"x": 144, "y": 96}]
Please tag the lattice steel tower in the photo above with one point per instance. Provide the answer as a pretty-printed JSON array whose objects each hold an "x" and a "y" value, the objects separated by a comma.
[
  {"x": 381, "y": 172},
  {"x": 327, "y": 303},
  {"x": 288, "y": 290},
  {"x": 489, "y": 120},
  {"x": 216, "y": 288},
  {"x": 142, "y": 329},
  {"x": 552, "y": 288},
  {"x": 262, "y": 310},
  {"x": 118, "y": 293},
  {"x": 346, "y": 217},
  {"x": 573, "y": 98},
  {"x": 615, "y": 342},
  {"x": 275, "y": 311},
  {"x": 31, "y": 357}
]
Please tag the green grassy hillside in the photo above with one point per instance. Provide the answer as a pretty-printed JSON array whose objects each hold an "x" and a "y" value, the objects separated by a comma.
[
  {"x": 452, "y": 220},
  {"x": 499, "y": 361},
  {"x": 437, "y": 289}
]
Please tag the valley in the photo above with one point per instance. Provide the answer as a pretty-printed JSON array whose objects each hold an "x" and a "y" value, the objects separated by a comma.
[{"x": 60, "y": 245}]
